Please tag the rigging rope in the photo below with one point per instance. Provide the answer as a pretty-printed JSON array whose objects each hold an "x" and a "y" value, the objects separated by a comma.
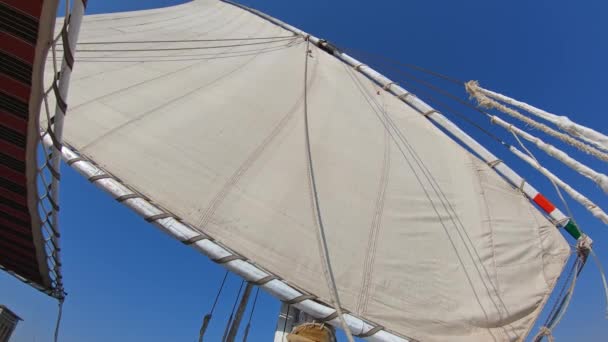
[
  {"x": 185, "y": 48},
  {"x": 255, "y": 300},
  {"x": 603, "y": 276},
  {"x": 555, "y": 186},
  {"x": 564, "y": 123},
  {"x": 58, "y": 323},
  {"x": 584, "y": 242},
  {"x": 236, "y": 300},
  {"x": 562, "y": 306},
  {"x": 209, "y": 315},
  {"x": 472, "y": 88},
  {"x": 181, "y": 40},
  {"x": 222, "y": 54},
  {"x": 596, "y": 138},
  {"x": 586, "y": 202},
  {"x": 286, "y": 320},
  {"x": 459, "y": 114},
  {"x": 408, "y": 65},
  {"x": 598, "y": 178},
  {"x": 321, "y": 239}
]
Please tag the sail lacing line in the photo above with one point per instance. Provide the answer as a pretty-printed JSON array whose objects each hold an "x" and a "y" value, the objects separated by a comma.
[
  {"x": 184, "y": 48},
  {"x": 229, "y": 53},
  {"x": 321, "y": 238},
  {"x": 472, "y": 88},
  {"x": 587, "y": 134},
  {"x": 209, "y": 315},
  {"x": 180, "y": 40}
]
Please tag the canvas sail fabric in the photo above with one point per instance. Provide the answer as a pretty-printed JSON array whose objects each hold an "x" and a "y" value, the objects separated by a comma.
[{"x": 424, "y": 238}]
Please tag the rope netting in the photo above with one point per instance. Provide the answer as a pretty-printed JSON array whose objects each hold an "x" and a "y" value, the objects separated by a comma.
[{"x": 48, "y": 173}]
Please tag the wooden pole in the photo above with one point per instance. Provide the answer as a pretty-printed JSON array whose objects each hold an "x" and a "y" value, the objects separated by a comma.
[{"x": 234, "y": 328}]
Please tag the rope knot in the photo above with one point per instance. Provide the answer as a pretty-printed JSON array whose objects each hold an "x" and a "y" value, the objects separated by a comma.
[
  {"x": 583, "y": 245},
  {"x": 544, "y": 331}
]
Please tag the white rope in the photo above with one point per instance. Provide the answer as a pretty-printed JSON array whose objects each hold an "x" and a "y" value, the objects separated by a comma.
[
  {"x": 587, "y": 203},
  {"x": 472, "y": 88},
  {"x": 584, "y": 243},
  {"x": 563, "y": 122},
  {"x": 603, "y": 276},
  {"x": 599, "y": 178},
  {"x": 557, "y": 190},
  {"x": 544, "y": 331},
  {"x": 321, "y": 238}
]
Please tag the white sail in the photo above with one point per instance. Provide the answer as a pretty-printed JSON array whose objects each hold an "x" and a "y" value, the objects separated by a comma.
[{"x": 425, "y": 239}]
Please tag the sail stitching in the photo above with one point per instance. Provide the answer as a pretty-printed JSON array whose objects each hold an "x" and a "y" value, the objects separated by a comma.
[
  {"x": 390, "y": 125},
  {"x": 136, "y": 84},
  {"x": 375, "y": 228},
  {"x": 152, "y": 111},
  {"x": 251, "y": 159},
  {"x": 88, "y": 165}
]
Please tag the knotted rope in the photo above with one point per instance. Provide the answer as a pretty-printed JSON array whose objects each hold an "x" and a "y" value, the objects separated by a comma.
[
  {"x": 544, "y": 331},
  {"x": 587, "y": 134},
  {"x": 473, "y": 89},
  {"x": 597, "y": 177}
]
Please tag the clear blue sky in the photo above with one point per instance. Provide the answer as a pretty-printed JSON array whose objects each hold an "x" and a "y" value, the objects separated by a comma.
[{"x": 127, "y": 281}]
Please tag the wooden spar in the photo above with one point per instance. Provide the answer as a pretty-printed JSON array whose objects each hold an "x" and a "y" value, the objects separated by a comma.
[{"x": 234, "y": 328}]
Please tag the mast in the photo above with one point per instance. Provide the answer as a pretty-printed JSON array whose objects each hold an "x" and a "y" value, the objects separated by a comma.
[
  {"x": 285, "y": 322},
  {"x": 234, "y": 328}
]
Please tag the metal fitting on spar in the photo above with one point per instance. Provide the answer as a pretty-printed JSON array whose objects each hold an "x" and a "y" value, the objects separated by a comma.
[{"x": 328, "y": 47}]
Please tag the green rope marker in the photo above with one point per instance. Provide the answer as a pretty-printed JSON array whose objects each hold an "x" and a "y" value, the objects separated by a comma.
[{"x": 573, "y": 230}]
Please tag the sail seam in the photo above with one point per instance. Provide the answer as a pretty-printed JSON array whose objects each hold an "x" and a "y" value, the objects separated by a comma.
[
  {"x": 490, "y": 225},
  {"x": 444, "y": 201},
  {"x": 251, "y": 159},
  {"x": 375, "y": 228},
  {"x": 184, "y": 232}
]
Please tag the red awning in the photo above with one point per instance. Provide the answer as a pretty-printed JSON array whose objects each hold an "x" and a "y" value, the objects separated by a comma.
[{"x": 27, "y": 28}]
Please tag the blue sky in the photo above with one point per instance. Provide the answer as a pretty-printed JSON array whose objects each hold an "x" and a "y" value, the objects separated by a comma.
[{"x": 127, "y": 281}]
